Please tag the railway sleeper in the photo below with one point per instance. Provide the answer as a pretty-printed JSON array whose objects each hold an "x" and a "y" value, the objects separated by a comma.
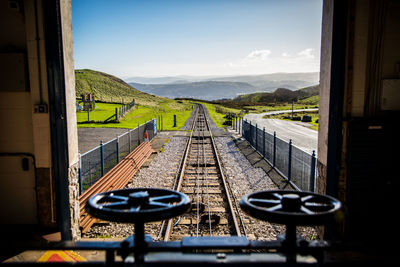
[
  {"x": 204, "y": 183},
  {"x": 201, "y": 165},
  {"x": 201, "y": 207},
  {"x": 213, "y": 219},
  {"x": 202, "y": 191},
  {"x": 188, "y": 221}
]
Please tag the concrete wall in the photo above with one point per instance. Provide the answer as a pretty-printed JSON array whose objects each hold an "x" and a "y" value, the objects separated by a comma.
[
  {"x": 72, "y": 132},
  {"x": 324, "y": 94}
]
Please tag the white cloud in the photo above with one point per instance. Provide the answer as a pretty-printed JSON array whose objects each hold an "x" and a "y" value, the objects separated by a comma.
[
  {"x": 307, "y": 53},
  {"x": 265, "y": 61},
  {"x": 258, "y": 55},
  {"x": 255, "y": 62}
]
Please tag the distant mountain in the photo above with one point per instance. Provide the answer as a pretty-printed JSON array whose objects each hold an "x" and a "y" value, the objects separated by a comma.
[
  {"x": 208, "y": 90},
  {"x": 279, "y": 95},
  {"x": 216, "y": 87},
  {"x": 269, "y": 82}
]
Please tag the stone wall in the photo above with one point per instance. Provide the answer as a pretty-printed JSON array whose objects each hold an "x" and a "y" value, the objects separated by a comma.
[{"x": 73, "y": 175}]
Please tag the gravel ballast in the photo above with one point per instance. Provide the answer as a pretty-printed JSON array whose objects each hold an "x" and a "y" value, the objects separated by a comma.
[
  {"x": 242, "y": 177},
  {"x": 245, "y": 179}
]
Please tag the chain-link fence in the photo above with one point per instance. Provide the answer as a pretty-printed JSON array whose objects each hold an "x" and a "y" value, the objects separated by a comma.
[
  {"x": 99, "y": 160},
  {"x": 293, "y": 163}
]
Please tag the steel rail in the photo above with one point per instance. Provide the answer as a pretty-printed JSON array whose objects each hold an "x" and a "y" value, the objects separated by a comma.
[
  {"x": 206, "y": 179},
  {"x": 178, "y": 185},
  {"x": 200, "y": 133},
  {"x": 228, "y": 196}
]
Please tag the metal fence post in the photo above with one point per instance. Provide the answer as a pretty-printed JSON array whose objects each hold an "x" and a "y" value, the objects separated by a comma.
[
  {"x": 102, "y": 158},
  {"x": 312, "y": 171},
  {"x": 116, "y": 113},
  {"x": 80, "y": 173},
  {"x": 274, "y": 156},
  {"x": 117, "y": 149},
  {"x": 129, "y": 144},
  {"x": 264, "y": 142},
  {"x": 290, "y": 160},
  {"x": 138, "y": 134},
  {"x": 256, "y": 137},
  {"x": 250, "y": 134}
]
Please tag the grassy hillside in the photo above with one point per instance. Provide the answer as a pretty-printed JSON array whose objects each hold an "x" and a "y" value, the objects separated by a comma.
[
  {"x": 280, "y": 95},
  {"x": 109, "y": 88},
  {"x": 106, "y": 87}
]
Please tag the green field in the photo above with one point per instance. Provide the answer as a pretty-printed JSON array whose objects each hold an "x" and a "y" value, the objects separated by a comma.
[
  {"x": 138, "y": 115},
  {"x": 101, "y": 113},
  {"x": 284, "y": 106},
  {"x": 218, "y": 112}
]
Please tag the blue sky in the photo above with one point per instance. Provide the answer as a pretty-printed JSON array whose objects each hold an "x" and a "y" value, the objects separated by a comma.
[{"x": 216, "y": 37}]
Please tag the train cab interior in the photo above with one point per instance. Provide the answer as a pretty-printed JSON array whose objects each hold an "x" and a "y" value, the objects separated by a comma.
[{"x": 358, "y": 146}]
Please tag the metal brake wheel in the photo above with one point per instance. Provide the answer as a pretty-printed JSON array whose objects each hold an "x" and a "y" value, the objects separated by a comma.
[
  {"x": 291, "y": 207},
  {"x": 138, "y": 205}
]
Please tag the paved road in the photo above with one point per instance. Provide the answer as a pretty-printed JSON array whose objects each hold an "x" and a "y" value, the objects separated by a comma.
[
  {"x": 302, "y": 136},
  {"x": 89, "y": 138}
]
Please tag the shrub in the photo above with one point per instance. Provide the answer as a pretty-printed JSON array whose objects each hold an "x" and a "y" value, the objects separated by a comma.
[{"x": 306, "y": 118}]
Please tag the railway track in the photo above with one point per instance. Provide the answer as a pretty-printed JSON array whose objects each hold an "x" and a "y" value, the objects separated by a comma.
[{"x": 201, "y": 177}]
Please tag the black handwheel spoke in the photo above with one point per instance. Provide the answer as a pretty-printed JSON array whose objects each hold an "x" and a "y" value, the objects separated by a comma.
[
  {"x": 306, "y": 211},
  {"x": 275, "y": 208},
  {"x": 117, "y": 205},
  {"x": 156, "y": 204},
  {"x": 117, "y": 197},
  {"x": 306, "y": 198},
  {"x": 277, "y": 195},
  {"x": 264, "y": 202},
  {"x": 167, "y": 198}
]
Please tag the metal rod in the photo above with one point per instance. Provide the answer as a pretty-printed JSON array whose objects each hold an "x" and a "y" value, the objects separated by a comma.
[
  {"x": 264, "y": 142},
  {"x": 312, "y": 171},
  {"x": 274, "y": 154},
  {"x": 117, "y": 146},
  {"x": 290, "y": 160},
  {"x": 140, "y": 243},
  {"x": 80, "y": 173},
  {"x": 102, "y": 157}
]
